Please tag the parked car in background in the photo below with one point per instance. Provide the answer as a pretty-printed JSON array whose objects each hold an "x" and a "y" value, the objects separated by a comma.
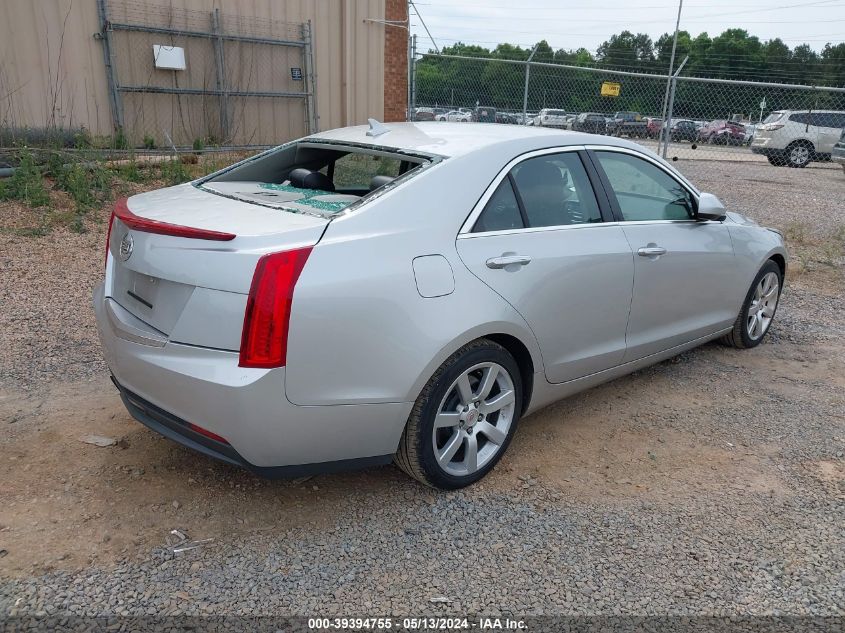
[
  {"x": 797, "y": 137},
  {"x": 750, "y": 131},
  {"x": 591, "y": 122},
  {"x": 220, "y": 308},
  {"x": 424, "y": 114},
  {"x": 505, "y": 117},
  {"x": 551, "y": 118},
  {"x": 525, "y": 119},
  {"x": 629, "y": 124},
  {"x": 684, "y": 130},
  {"x": 455, "y": 116},
  {"x": 837, "y": 155},
  {"x": 722, "y": 132},
  {"x": 484, "y": 114},
  {"x": 653, "y": 126}
]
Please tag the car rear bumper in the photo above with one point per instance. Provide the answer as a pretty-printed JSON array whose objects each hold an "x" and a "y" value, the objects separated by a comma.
[
  {"x": 766, "y": 146},
  {"x": 168, "y": 387}
]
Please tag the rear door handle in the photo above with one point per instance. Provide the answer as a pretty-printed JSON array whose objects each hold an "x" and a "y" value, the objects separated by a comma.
[
  {"x": 508, "y": 260},
  {"x": 651, "y": 251}
]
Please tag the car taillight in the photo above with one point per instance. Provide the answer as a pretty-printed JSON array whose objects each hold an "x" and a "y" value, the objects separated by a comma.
[
  {"x": 771, "y": 127},
  {"x": 108, "y": 240},
  {"x": 146, "y": 225},
  {"x": 267, "y": 318}
]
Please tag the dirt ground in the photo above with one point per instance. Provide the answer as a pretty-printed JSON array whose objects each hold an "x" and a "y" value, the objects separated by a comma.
[{"x": 680, "y": 430}]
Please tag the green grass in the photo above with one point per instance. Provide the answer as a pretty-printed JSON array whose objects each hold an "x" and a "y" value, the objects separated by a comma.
[{"x": 26, "y": 184}]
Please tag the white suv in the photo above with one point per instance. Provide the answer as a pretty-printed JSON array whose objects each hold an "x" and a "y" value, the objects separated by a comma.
[
  {"x": 551, "y": 118},
  {"x": 796, "y": 137}
]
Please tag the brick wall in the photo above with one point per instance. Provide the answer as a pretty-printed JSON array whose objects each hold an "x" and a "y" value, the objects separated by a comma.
[{"x": 395, "y": 61}]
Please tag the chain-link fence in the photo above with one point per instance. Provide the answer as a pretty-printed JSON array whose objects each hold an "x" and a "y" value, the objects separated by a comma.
[
  {"x": 183, "y": 77},
  {"x": 687, "y": 119}
]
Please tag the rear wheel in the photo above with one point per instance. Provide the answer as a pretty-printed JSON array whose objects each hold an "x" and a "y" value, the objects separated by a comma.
[
  {"x": 776, "y": 159},
  {"x": 799, "y": 154},
  {"x": 464, "y": 419},
  {"x": 758, "y": 310}
]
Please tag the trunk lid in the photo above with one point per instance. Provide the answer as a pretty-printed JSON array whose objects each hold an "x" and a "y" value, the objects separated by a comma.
[{"x": 195, "y": 290}]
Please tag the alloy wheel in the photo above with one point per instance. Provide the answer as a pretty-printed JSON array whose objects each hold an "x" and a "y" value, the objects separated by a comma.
[
  {"x": 763, "y": 305},
  {"x": 799, "y": 155},
  {"x": 473, "y": 419}
]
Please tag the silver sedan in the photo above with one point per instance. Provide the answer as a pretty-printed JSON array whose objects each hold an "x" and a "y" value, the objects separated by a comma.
[{"x": 408, "y": 292}]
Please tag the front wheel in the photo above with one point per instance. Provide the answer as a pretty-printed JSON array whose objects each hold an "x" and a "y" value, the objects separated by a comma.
[
  {"x": 758, "y": 310},
  {"x": 464, "y": 419}
]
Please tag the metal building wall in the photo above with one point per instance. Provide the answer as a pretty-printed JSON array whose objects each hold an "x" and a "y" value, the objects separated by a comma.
[{"x": 52, "y": 70}]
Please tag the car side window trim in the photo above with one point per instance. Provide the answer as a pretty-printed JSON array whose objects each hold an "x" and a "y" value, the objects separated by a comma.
[
  {"x": 519, "y": 202},
  {"x": 599, "y": 189},
  {"x": 505, "y": 172},
  {"x": 614, "y": 203}
]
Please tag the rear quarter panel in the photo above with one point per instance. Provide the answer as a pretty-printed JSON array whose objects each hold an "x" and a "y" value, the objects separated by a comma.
[{"x": 360, "y": 332}]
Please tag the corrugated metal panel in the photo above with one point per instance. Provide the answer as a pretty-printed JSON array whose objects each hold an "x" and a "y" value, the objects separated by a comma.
[
  {"x": 47, "y": 79},
  {"x": 52, "y": 70}
]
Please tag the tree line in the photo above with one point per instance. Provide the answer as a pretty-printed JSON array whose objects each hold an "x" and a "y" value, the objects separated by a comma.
[{"x": 732, "y": 55}]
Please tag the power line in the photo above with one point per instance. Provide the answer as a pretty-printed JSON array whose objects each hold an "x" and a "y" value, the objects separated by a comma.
[
  {"x": 820, "y": 37},
  {"x": 417, "y": 11}
]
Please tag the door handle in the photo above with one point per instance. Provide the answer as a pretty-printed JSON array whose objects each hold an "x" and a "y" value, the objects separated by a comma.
[
  {"x": 508, "y": 260},
  {"x": 651, "y": 251}
]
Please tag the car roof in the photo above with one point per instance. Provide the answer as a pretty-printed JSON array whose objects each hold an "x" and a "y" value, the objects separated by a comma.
[{"x": 457, "y": 139}]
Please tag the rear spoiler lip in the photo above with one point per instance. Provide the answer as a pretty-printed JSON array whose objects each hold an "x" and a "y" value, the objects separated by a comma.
[{"x": 146, "y": 225}]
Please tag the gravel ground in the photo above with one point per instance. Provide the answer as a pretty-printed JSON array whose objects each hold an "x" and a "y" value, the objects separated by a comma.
[{"x": 711, "y": 484}]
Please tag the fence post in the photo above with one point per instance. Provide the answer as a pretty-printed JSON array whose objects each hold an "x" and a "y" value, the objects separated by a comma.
[
  {"x": 412, "y": 83},
  {"x": 667, "y": 120},
  {"x": 310, "y": 80},
  {"x": 408, "y": 115},
  {"x": 115, "y": 104},
  {"x": 220, "y": 66},
  {"x": 527, "y": 77}
]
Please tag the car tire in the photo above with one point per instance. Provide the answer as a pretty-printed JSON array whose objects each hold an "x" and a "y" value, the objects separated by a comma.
[
  {"x": 776, "y": 159},
  {"x": 428, "y": 453},
  {"x": 757, "y": 307},
  {"x": 799, "y": 154}
]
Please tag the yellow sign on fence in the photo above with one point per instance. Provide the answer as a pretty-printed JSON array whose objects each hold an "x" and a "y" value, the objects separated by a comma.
[{"x": 610, "y": 89}]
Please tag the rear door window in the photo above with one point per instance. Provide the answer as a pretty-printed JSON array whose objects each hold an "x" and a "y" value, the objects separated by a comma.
[
  {"x": 501, "y": 212},
  {"x": 828, "y": 119},
  {"x": 555, "y": 191},
  {"x": 551, "y": 190}
]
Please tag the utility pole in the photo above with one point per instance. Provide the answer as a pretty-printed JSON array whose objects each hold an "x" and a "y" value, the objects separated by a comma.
[
  {"x": 667, "y": 135},
  {"x": 671, "y": 68},
  {"x": 527, "y": 75}
]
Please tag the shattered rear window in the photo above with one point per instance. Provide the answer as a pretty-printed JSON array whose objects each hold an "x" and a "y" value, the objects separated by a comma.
[{"x": 315, "y": 176}]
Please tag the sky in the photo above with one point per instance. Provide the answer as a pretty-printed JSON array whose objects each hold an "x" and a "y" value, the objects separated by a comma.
[{"x": 572, "y": 24}]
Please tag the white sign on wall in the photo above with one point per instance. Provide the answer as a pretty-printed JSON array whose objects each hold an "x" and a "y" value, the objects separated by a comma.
[{"x": 169, "y": 57}]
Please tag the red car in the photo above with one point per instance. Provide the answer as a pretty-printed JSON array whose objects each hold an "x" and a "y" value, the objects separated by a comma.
[
  {"x": 653, "y": 126},
  {"x": 722, "y": 132}
]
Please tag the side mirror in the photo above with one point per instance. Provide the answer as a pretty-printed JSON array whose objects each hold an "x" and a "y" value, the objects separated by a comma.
[{"x": 710, "y": 208}]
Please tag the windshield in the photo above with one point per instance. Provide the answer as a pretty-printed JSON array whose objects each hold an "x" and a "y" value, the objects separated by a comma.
[{"x": 555, "y": 112}]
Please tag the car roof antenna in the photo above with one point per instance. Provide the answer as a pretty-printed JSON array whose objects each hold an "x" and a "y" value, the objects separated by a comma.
[{"x": 377, "y": 128}]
